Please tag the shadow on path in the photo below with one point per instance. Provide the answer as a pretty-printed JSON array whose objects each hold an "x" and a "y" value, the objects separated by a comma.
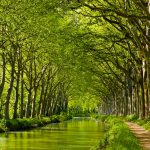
[{"x": 142, "y": 135}]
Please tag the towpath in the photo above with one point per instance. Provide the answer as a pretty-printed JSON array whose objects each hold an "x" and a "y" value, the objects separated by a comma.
[{"x": 142, "y": 135}]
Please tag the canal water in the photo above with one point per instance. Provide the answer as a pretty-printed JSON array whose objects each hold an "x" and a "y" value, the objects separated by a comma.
[{"x": 77, "y": 134}]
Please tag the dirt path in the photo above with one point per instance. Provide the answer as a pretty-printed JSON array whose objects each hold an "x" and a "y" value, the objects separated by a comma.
[{"x": 142, "y": 135}]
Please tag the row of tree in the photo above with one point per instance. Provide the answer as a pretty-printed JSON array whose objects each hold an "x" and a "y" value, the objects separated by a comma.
[
  {"x": 32, "y": 81},
  {"x": 54, "y": 51},
  {"x": 115, "y": 36}
]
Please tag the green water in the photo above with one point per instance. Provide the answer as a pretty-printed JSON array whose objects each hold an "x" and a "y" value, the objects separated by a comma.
[{"x": 77, "y": 134}]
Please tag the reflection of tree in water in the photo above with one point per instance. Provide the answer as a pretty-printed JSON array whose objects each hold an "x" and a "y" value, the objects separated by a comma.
[{"x": 75, "y": 134}]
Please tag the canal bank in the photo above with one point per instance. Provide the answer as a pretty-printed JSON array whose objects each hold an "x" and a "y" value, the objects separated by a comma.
[
  {"x": 76, "y": 134},
  {"x": 29, "y": 123},
  {"x": 117, "y": 135}
]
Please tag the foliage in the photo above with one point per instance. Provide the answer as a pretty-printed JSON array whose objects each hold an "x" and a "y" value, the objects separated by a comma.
[
  {"x": 131, "y": 117},
  {"x": 147, "y": 125},
  {"x": 64, "y": 116},
  {"x": 102, "y": 118},
  {"x": 113, "y": 36},
  {"x": 83, "y": 105}
]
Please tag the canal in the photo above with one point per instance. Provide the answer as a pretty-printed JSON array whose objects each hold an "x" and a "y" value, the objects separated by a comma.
[{"x": 76, "y": 134}]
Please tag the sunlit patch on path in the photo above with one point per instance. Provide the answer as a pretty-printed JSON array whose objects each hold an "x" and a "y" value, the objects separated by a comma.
[{"x": 142, "y": 135}]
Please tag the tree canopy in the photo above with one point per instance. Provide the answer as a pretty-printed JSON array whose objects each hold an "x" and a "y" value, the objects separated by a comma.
[{"x": 95, "y": 53}]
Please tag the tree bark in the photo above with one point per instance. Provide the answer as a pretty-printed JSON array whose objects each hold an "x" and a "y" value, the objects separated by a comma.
[
  {"x": 22, "y": 94},
  {"x": 17, "y": 85},
  {"x": 7, "y": 102}
]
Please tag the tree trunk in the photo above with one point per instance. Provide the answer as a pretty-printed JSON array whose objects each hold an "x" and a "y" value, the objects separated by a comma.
[
  {"x": 39, "y": 112},
  {"x": 3, "y": 74},
  {"x": 30, "y": 82},
  {"x": 33, "y": 102},
  {"x": 27, "y": 113},
  {"x": 7, "y": 102},
  {"x": 17, "y": 87},
  {"x": 148, "y": 67},
  {"x": 17, "y": 95},
  {"x": 22, "y": 95},
  {"x": 142, "y": 97}
]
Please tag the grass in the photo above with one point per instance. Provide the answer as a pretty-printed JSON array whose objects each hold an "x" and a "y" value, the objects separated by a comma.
[{"x": 117, "y": 136}]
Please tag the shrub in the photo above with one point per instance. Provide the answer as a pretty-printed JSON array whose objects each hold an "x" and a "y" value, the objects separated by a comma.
[
  {"x": 28, "y": 123},
  {"x": 12, "y": 124},
  {"x": 131, "y": 117},
  {"x": 24, "y": 124}
]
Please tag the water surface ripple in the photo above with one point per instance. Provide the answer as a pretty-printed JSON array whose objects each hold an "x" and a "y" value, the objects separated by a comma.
[{"x": 77, "y": 134}]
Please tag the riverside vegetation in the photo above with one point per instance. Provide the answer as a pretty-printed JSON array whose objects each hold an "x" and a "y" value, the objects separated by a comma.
[
  {"x": 117, "y": 135},
  {"x": 29, "y": 123}
]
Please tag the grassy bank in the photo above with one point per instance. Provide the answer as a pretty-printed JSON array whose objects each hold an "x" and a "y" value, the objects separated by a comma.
[
  {"x": 117, "y": 136},
  {"x": 29, "y": 123}
]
